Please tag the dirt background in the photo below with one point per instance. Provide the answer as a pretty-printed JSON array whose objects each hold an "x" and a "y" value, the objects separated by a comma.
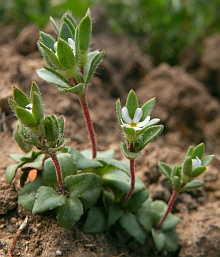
[{"x": 188, "y": 105}]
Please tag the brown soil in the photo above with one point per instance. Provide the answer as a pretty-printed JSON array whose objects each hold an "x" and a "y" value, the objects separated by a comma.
[{"x": 184, "y": 105}]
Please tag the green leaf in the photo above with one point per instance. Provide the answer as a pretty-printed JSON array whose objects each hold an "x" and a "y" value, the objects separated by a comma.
[
  {"x": 190, "y": 151},
  {"x": 136, "y": 200},
  {"x": 158, "y": 206},
  {"x": 19, "y": 139},
  {"x": 37, "y": 163},
  {"x": 70, "y": 213},
  {"x": 12, "y": 104},
  {"x": 149, "y": 134},
  {"x": 25, "y": 117},
  {"x": 83, "y": 163},
  {"x": 85, "y": 30},
  {"x": 91, "y": 66},
  {"x": 17, "y": 157},
  {"x": 198, "y": 171},
  {"x": 172, "y": 241},
  {"x": 52, "y": 77},
  {"x": 78, "y": 90},
  {"x": 130, "y": 132},
  {"x": 10, "y": 172},
  {"x": 129, "y": 222},
  {"x": 70, "y": 21},
  {"x": 47, "y": 40},
  {"x": 77, "y": 47},
  {"x": 206, "y": 160},
  {"x": 170, "y": 222},
  {"x": 47, "y": 199},
  {"x": 193, "y": 184},
  {"x": 87, "y": 153},
  {"x": 177, "y": 170},
  {"x": 38, "y": 108},
  {"x": 49, "y": 56},
  {"x": 165, "y": 168},
  {"x": 85, "y": 186},
  {"x": 110, "y": 164},
  {"x": 26, "y": 197},
  {"x": 119, "y": 180},
  {"x": 65, "y": 31},
  {"x": 159, "y": 239},
  {"x": 68, "y": 167},
  {"x": 115, "y": 212},
  {"x": 176, "y": 182},
  {"x": 131, "y": 103},
  {"x": 66, "y": 56},
  {"x": 147, "y": 108},
  {"x": 118, "y": 110},
  {"x": 20, "y": 98},
  {"x": 187, "y": 166},
  {"x": 198, "y": 151},
  {"x": 56, "y": 27},
  {"x": 147, "y": 217},
  {"x": 129, "y": 155},
  {"x": 96, "y": 221}
]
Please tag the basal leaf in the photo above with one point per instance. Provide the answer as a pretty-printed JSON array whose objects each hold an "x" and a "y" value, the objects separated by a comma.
[
  {"x": 85, "y": 186},
  {"x": 70, "y": 213},
  {"x": 96, "y": 221},
  {"x": 129, "y": 222},
  {"x": 68, "y": 167},
  {"x": 47, "y": 199}
]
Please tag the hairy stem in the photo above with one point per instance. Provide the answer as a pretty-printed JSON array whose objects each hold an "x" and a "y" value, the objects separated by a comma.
[
  {"x": 169, "y": 207},
  {"x": 58, "y": 170},
  {"x": 89, "y": 125},
  {"x": 132, "y": 173}
]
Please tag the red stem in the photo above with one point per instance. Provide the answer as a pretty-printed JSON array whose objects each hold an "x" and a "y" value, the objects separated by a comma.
[
  {"x": 58, "y": 170},
  {"x": 169, "y": 206},
  {"x": 132, "y": 173},
  {"x": 89, "y": 125}
]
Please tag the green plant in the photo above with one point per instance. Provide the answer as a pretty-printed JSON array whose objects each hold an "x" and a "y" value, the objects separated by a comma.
[
  {"x": 163, "y": 27},
  {"x": 91, "y": 184},
  {"x": 37, "y": 11}
]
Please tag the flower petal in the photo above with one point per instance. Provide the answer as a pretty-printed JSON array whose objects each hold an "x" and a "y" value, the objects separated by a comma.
[
  {"x": 125, "y": 115},
  {"x": 55, "y": 46},
  {"x": 196, "y": 163},
  {"x": 72, "y": 44},
  {"x": 144, "y": 122},
  {"x": 137, "y": 115},
  {"x": 29, "y": 107}
]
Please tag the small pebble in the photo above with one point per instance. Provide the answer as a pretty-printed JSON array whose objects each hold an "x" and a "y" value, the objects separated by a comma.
[{"x": 58, "y": 253}]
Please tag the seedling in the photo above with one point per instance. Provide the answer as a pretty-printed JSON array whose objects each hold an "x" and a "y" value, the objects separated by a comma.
[{"x": 56, "y": 177}]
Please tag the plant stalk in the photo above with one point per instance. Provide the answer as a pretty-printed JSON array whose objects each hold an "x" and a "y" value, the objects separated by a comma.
[
  {"x": 132, "y": 174},
  {"x": 169, "y": 207},
  {"x": 89, "y": 125},
  {"x": 58, "y": 170}
]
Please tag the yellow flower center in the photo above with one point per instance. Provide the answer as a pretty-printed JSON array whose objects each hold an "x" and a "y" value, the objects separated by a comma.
[{"x": 133, "y": 124}]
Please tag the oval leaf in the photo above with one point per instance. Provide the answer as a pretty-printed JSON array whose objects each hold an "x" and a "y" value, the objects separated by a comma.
[
  {"x": 193, "y": 184},
  {"x": 47, "y": 199},
  {"x": 129, "y": 222},
  {"x": 85, "y": 186},
  {"x": 70, "y": 213},
  {"x": 96, "y": 221},
  {"x": 68, "y": 167}
]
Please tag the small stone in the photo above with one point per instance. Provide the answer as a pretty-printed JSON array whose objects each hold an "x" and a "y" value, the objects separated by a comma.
[{"x": 58, "y": 253}]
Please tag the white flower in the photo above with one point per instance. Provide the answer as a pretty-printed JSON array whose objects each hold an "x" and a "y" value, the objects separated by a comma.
[
  {"x": 196, "y": 163},
  {"x": 71, "y": 44},
  {"x": 135, "y": 122},
  {"x": 29, "y": 107}
]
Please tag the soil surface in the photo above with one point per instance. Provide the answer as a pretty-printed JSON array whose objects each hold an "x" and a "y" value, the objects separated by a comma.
[{"x": 188, "y": 106}]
